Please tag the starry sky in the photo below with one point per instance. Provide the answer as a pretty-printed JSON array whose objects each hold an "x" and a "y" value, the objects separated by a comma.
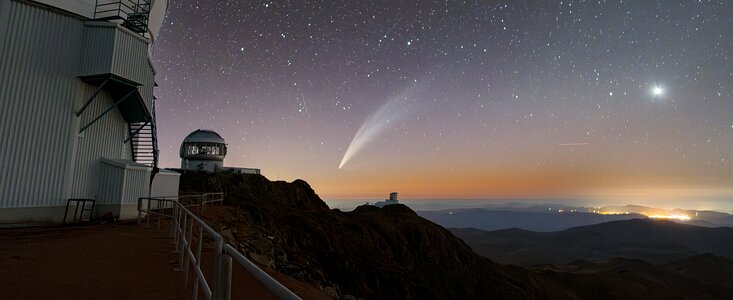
[{"x": 458, "y": 99}]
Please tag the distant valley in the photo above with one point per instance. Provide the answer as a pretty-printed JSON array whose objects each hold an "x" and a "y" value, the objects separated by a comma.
[{"x": 656, "y": 241}]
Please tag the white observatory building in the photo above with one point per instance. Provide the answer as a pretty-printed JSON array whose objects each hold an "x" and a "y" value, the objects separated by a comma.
[
  {"x": 77, "y": 107},
  {"x": 204, "y": 151},
  {"x": 392, "y": 200}
]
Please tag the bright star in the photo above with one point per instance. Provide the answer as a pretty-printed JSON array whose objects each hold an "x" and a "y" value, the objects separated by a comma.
[{"x": 658, "y": 91}]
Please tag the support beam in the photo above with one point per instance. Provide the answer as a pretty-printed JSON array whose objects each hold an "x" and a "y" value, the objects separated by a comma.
[
  {"x": 108, "y": 110},
  {"x": 91, "y": 98},
  {"x": 137, "y": 131}
]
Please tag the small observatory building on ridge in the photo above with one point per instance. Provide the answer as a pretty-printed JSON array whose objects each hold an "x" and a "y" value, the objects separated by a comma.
[
  {"x": 392, "y": 200},
  {"x": 204, "y": 150}
]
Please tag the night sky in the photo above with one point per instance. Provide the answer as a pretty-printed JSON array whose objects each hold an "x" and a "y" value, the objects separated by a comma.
[{"x": 459, "y": 99}]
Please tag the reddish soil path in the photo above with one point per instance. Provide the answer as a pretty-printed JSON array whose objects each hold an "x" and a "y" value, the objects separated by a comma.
[{"x": 112, "y": 261}]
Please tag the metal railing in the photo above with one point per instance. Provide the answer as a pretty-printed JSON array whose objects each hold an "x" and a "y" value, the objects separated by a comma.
[
  {"x": 135, "y": 13},
  {"x": 184, "y": 224}
]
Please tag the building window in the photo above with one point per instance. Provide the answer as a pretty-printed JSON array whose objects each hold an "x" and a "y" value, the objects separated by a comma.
[{"x": 204, "y": 150}]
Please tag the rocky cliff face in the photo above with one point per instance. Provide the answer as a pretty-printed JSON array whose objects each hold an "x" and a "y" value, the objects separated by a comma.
[{"x": 388, "y": 253}]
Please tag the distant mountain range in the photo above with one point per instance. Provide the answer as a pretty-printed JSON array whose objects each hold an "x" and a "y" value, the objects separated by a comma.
[
  {"x": 656, "y": 241},
  {"x": 549, "y": 217}
]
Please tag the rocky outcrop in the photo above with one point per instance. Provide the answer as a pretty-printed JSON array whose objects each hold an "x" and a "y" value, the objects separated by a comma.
[{"x": 388, "y": 253}]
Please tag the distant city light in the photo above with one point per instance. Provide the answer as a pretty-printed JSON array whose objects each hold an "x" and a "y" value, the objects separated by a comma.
[{"x": 672, "y": 217}]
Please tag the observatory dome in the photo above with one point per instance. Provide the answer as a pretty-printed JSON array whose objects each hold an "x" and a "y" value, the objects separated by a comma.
[
  {"x": 203, "y": 136},
  {"x": 203, "y": 150}
]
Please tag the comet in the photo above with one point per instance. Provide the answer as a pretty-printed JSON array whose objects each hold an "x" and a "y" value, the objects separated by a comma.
[{"x": 375, "y": 125}]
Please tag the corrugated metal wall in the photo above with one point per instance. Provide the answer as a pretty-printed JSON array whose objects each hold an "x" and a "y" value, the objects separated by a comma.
[
  {"x": 81, "y": 7},
  {"x": 39, "y": 61},
  {"x": 136, "y": 185},
  {"x": 43, "y": 159},
  {"x": 113, "y": 180},
  {"x": 110, "y": 48},
  {"x": 98, "y": 48},
  {"x": 131, "y": 61},
  {"x": 122, "y": 184},
  {"x": 105, "y": 138},
  {"x": 165, "y": 184}
]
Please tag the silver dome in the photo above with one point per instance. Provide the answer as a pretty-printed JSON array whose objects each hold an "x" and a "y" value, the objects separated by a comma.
[{"x": 204, "y": 136}]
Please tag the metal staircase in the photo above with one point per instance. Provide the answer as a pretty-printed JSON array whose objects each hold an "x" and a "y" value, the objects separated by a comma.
[{"x": 144, "y": 141}]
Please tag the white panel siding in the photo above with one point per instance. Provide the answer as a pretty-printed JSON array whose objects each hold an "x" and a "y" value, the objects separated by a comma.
[
  {"x": 105, "y": 138},
  {"x": 80, "y": 7},
  {"x": 112, "y": 178},
  {"x": 131, "y": 61},
  {"x": 111, "y": 48},
  {"x": 122, "y": 183},
  {"x": 98, "y": 48},
  {"x": 44, "y": 161},
  {"x": 165, "y": 184},
  {"x": 137, "y": 185},
  {"x": 38, "y": 67}
]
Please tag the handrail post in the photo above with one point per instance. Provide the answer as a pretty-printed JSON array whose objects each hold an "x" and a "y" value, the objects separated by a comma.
[
  {"x": 139, "y": 202},
  {"x": 160, "y": 214},
  {"x": 202, "y": 200},
  {"x": 187, "y": 259},
  {"x": 226, "y": 277},
  {"x": 182, "y": 238},
  {"x": 219, "y": 248},
  {"x": 174, "y": 223},
  {"x": 183, "y": 224},
  {"x": 148, "y": 212},
  {"x": 199, "y": 244}
]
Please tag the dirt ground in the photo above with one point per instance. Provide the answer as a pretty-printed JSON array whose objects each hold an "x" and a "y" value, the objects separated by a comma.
[{"x": 112, "y": 261}]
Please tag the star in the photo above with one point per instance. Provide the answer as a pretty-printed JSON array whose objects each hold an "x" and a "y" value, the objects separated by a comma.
[{"x": 657, "y": 91}]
